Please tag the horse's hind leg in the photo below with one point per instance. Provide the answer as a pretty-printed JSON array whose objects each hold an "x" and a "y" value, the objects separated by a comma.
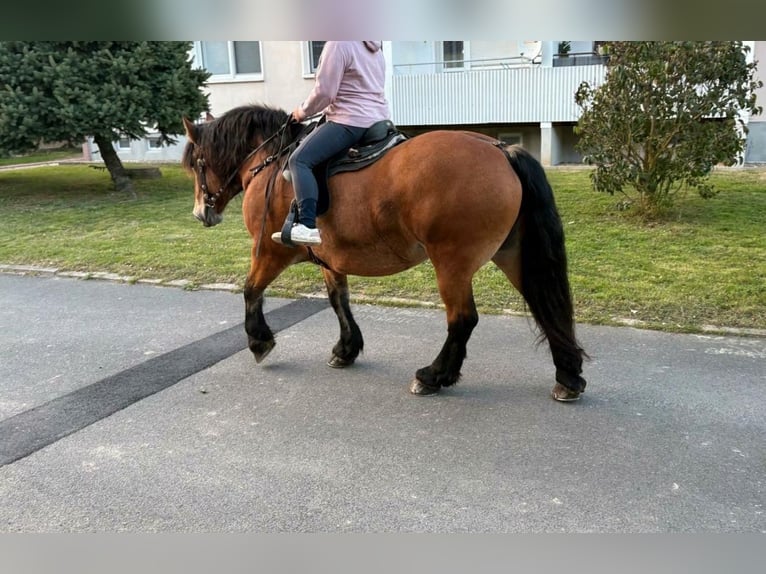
[
  {"x": 566, "y": 358},
  {"x": 349, "y": 345},
  {"x": 457, "y": 294}
]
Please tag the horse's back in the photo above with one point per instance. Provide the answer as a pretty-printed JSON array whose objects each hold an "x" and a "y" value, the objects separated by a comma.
[
  {"x": 460, "y": 162},
  {"x": 456, "y": 179},
  {"x": 439, "y": 190}
]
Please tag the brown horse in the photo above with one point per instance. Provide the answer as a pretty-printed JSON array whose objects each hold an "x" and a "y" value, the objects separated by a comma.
[{"x": 458, "y": 198}]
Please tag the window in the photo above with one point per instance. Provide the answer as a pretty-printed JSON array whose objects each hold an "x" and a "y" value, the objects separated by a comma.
[
  {"x": 153, "y": 142},
  {"x": 247, "y": 57},
  {"x": 313, "y": 52},
  {"x": 124, "y": 142},
  {"x": 231, "y": 60},
  {"x": 453, "y": 55}
]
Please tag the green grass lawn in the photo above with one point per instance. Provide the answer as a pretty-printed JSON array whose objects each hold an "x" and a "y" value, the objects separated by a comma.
[
  {"x": 704, "y": 265},
  {"x": 43, "y": 156}
]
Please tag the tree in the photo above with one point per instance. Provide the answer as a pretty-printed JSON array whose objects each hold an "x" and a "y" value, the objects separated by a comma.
[
  {"x": 66, "y": 91},
  {"x": 665, "y": 115}
]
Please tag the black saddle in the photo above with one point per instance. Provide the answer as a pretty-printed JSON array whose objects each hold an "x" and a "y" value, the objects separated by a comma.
[{"x": 378, "y": 140}]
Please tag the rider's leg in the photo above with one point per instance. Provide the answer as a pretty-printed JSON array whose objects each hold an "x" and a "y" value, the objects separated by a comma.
[{"x": 320, "y": 145}]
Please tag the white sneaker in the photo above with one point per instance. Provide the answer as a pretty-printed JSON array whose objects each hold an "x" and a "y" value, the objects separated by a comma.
[{"x": 301, "y": 235}]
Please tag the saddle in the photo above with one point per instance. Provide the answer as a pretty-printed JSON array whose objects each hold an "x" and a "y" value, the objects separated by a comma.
[{"x": 379, "y": 139}]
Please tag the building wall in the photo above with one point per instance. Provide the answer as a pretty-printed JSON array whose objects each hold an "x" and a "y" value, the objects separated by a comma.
[
  {"x": 412, "y": 58},
  {"x": 759, "y": 55},
  {"x": 284, "y": 83},
  {"x": 755, "y": 150}
]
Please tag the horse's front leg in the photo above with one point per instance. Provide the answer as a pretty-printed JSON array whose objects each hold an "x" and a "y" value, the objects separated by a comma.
[
  {"x": 260, "y": 338},
  {"x": 462, "y": 317},
  {"x": 351, "y": 343},
  {"x": 263, "y": 270}
]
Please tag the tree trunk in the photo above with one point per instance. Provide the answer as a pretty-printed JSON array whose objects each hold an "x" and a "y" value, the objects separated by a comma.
[{"x": 114, "y": 165}]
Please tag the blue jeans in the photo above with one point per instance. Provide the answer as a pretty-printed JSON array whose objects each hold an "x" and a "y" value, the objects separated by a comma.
[{"x": 326, "y": 141}]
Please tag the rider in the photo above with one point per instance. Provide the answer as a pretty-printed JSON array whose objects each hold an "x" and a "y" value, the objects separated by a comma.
[{"x": 349, "y": 89}]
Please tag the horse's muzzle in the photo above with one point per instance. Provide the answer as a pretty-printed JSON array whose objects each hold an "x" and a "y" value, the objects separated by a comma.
[{"x": 208, "y": 217}]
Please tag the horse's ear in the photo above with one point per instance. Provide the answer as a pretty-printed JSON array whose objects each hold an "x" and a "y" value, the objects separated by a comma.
[
  {"x": 209, "y": 117},
  {"x": 191, "y": 130}
]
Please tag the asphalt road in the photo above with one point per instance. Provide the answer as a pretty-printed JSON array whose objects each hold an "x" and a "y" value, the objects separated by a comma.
[{"x": 138, "y": 408}]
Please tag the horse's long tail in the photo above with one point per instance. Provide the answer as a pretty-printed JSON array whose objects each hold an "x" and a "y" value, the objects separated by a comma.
[{"x": 544, "y": 279}]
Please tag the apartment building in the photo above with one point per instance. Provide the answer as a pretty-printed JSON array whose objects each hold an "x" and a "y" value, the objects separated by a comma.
[{"x": 517, "y": 91}]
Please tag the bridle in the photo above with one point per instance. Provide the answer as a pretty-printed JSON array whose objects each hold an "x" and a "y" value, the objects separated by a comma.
[{"x": 212, "y": 197}]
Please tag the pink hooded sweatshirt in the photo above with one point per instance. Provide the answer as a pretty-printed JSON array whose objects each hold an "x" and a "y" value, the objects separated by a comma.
[{"x": 349, "y": 84}]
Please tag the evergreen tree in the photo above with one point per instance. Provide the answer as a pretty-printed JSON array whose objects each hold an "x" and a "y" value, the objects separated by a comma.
[{"x": 66, "y": 91}]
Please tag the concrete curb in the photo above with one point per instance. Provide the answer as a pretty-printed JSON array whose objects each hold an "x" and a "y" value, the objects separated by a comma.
[
  {"x": 106, "y": 276},
  {"x": 394, "y": 301}
]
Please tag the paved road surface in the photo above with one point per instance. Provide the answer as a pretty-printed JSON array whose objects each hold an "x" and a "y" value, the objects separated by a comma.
[{"x": 137, "y": 408}]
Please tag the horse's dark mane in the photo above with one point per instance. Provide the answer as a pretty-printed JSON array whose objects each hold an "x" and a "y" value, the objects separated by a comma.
[{"x": 226, "y": 141}]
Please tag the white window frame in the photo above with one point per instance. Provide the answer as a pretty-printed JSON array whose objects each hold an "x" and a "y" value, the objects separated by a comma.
[
  {"x": 231, "y": 76},
  {"x": 149, "y": 139},
  {"x": 118, "y": 144},
  {"x": 465, "y": 64},
  {"x": 308, "y": 62}
]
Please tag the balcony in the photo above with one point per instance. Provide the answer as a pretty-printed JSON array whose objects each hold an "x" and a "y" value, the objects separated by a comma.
[{"x": 522, "y": 92}]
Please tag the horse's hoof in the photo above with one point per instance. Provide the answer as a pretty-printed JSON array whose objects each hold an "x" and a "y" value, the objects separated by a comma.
[
  {"x": 418, "y": 387},
  {"x": 337, "y": 363},
  {"x": 563, "y": 394},
  {"x": 263, "y": 350}
]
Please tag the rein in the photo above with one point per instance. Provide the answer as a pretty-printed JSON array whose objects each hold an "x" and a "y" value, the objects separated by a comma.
[
  {"x": 283, "y": 150},
  {"x": 212, "y": 198}
]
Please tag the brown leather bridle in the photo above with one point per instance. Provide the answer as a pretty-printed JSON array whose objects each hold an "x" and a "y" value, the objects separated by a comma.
[{"x": 210, "y": 197}]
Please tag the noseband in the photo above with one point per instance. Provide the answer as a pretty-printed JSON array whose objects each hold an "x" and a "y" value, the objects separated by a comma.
[{"x": 212, "y": 198}]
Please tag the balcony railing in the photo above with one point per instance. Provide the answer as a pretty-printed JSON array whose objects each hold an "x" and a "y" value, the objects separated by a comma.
[
  {"x": 580, "y": 59},
  {"x": 524, "y": 94},
  {"x": 447, "y": 66}
]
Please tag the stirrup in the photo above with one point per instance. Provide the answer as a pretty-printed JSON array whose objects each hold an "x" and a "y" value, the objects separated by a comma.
[{"x": 283, "y": 236}]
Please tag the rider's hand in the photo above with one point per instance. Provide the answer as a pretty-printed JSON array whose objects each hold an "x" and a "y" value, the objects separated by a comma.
[{"x": 298, "y": 115}]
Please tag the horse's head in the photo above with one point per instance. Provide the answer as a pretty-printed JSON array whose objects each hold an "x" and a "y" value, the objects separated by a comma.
[
  {"x": 218, "y": 151},
  {"x": 210, "y": 188}
]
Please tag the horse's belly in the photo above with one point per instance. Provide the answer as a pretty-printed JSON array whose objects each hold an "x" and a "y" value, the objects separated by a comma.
[{"x": 376, "y": 261}]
